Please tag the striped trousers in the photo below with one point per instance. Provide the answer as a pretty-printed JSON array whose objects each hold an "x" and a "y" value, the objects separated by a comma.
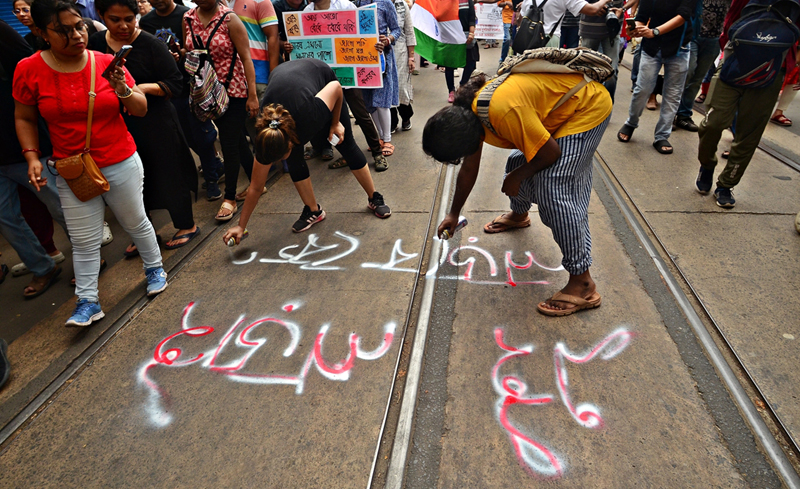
[{"x": 562, "y": 193}]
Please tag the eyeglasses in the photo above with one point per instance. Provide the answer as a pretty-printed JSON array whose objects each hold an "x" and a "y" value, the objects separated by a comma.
[
  {"x": 80, "y": 27},
  {"x": 18, "y": 11}
]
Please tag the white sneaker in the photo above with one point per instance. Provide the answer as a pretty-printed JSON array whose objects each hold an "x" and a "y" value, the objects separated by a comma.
[{"x": 107, "y": 236}]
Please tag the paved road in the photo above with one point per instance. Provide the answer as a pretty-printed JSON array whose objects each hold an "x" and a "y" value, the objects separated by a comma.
[{"x": 273, "y": 365}]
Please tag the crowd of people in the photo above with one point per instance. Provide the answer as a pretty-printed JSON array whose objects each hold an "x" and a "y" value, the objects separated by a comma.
[{"x": 140, "y": 122}]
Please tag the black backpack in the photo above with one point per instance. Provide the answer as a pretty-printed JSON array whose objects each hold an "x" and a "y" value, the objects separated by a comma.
[
  {"x": 530, "y": 33},
  {"x": 758, "y": 43}
]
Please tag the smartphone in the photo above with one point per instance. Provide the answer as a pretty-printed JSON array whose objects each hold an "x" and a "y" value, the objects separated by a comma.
[
  {"x": 172, "y": 44},
  {"x": 117, "y": 61},
  {"x": 631, "y": 23}
]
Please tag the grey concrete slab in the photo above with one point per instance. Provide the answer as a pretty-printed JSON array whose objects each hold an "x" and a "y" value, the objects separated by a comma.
[
  {"x": 286, "y": 418},
  {"x": 736, "y": 259},
  {"x": 655, "y": 430}
]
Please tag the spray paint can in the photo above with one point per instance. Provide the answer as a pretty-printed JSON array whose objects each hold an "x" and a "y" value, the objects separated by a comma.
[
  {"x": 232, "y": 241},
  {"x": 446, "y": 233}
]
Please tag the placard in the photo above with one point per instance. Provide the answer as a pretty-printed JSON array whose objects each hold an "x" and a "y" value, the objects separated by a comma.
[
  {"x": 344, "y": 39},
  {"x": 489, "y": 21}
]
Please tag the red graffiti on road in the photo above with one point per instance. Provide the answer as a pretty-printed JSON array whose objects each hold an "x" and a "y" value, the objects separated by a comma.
[
  {"x": 534, "y": 456},
  {"x": 159, "y": 404}
]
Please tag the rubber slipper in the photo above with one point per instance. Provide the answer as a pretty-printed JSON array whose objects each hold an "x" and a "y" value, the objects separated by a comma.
[
  {"x": 388, "y": 149},
  {"x": 700, "y": 99},
  {"x": 327, "y": 154},
  {"x": 130, "y": 253},
  {"x": 3, "y": 272},
  {"x": 103, "y": 266},
  {"x": 41, "y": 284},
  {"x": 340, "y": 163},
  {"x": 579, "y": 303},
  {"x": 187, "y": 236},
  {"x": 310, "y": 153},
  {"x": 781, "y": 120},
  {"x": 626, "y": 130},
  {"x": 661, "y": 146},
  {"x": 226, "y": 207},
  {"x": 501, "y": 224}
]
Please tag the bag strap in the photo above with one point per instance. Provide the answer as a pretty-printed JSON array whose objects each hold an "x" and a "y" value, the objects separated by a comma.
[
  {"x": 198, "y": 43},
  {"x": 92, "y": 96},
  {"x": 227, "y": 82},
  {"x": 553, "y": 30},
  {"x": 572, "y": 92}
]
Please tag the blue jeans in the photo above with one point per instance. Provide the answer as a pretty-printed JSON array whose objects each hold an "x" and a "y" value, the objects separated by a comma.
[
  {"x": 675, "y": 68},
  {"x": 704, "y": 51},
  {"x": 200, "y": 136},
  {"x": 13, "y": 226},
  {"x": 609, "y": 47},
  {"x": 637, "y": 59},
  {"x": 85, "y": 222},
  {"x": 506, "y": 42},
  {"x": 570, "y": 36}
]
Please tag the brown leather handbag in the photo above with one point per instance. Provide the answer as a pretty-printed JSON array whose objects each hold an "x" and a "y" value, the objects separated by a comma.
[{"x": 80, "y": 171}]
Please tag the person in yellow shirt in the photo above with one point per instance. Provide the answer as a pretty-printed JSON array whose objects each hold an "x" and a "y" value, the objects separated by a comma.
[{"x": 551, "y": 164}]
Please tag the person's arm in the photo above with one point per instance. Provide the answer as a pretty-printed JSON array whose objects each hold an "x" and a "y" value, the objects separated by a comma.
[
  {"x": 163, "y": 64},
  {"x": 333, "y": 96},
  {"x": 26, "y": 120},
  {"x": 257, "y": 181},
  {"x": 598, "y": 8},
  {"x": 672, "y": 24},
  {"x": 630, "y": 4},
  {"x": 132, "y": 97},
  {"x": 545, "y": 157},
  {"x": 467, "y": 176},
  {"x": 242, "y": 43},
  {"x": 273, "y": 45},
  {"x": 391, "y": 22},
  {"x": 411, "y": 38}
]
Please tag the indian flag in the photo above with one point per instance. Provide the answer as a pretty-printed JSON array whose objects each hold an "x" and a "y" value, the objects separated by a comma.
[{"x": 440, "y": 38}]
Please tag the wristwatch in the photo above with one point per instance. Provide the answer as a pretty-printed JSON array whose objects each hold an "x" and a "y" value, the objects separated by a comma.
[{"x": 656, "y": 32}]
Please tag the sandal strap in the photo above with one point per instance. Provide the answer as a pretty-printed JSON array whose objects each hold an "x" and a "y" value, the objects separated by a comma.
[{"x": 227, "y": 206}]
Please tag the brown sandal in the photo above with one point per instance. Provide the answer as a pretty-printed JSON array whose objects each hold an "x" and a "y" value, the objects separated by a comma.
[
  {"x": 41, "y": 284},
  {"x": 501, "y": 223},
  {"x": 579, "y": 302}
]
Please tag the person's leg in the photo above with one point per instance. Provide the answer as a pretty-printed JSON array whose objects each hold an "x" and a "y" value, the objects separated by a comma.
[
  {"x": 562, "y": 194},
  {"x": 37, "y": 217},
  {"x": 449, "y": 78},
  {"x": 570, "y": 37},
  {"x": 355, "y": 101},
  {"x": 231, "y": 127},
  {"x": 468, "y": 69},
  {"x": 383, "y": 122},
  {"x": 201, "y": 136},
  {"x": 637, "y": 60},
  {"x": 707, "y": 50},
  {"x": 406, "y": 111},
  {"x": 593, "y": 44},
  {"x": 722, "y": 103},
  {"x": 610, "y": 47},
  {"x": 755, "y": 109},
  {"x": 521, "y": 203},
  {"x": 506, "y": 41},
  {"x": 125, "y": 200},
  {"x": 645, "y": 83},
  {"x": 180, "y": 211},
  {"x": 16, "y": 231},
  {"x": 355, "y": 157},
  {"x": 675, "y": 68},
  {"x": 785, "y": 100}
]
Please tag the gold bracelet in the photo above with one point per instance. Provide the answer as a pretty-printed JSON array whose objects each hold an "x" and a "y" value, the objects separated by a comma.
[{"x": 128, "y": 93}]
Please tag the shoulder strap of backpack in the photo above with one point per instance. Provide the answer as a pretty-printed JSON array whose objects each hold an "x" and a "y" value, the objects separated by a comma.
[
  {"x": 216, "y": 28},
  {"x": 553, "y": 30},
  {"x": 228, "y": 78},
  {"x": 586, "y": 80},
  {"x": 485, "y": 96}
]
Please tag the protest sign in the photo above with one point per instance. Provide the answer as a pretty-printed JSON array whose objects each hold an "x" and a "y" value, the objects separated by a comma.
[
  {"x": 344, "y": 39},
  {"x": 489, "y": 21}
]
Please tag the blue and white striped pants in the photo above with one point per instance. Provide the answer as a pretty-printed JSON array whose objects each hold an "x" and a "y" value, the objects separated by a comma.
[{"x": 562, "y": 193}]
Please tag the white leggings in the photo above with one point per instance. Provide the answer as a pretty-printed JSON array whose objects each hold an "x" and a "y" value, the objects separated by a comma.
[
  {"x": 786, "y": 98},
  {"x": 383, "y": 121}
]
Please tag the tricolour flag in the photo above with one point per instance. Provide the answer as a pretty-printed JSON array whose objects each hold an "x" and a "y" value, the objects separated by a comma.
[{"x": 440, "y": 38}]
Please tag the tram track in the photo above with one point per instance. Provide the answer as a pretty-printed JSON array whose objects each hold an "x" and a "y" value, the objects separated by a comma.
[{"x": 773, "y": 435}]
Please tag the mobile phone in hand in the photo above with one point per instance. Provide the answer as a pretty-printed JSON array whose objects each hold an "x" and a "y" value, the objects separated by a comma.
[
  {"x": 631, "y": 23},
  {"x": 117, "y": 61}
]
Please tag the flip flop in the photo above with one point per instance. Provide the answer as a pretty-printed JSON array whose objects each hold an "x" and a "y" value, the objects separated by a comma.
[
  {"x": 781, "y": 120},
  {"x": 660, "y": 146},
  {"x": 388, "y": 149},
  {"x": 327, "y": 154},
  {"x": 41, "y": 284},
  {"x": 188, "y": 236},
  {"x": 226, "y": 207},
  {"x": 501, "y": 224},
  {"x": 310, "y": 153},
  {"x": 626, "y": 131},
  {"x": 579, "y": 303},
  {"x": 340, "y": 163}
]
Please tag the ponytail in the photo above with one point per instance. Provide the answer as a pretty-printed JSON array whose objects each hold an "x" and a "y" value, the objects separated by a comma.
[{"x": 276, "y": 129}]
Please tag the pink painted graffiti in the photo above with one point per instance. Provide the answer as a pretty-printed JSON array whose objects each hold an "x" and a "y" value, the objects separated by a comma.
[
  {"x": 159, "y": 403},
  {"x": 535, "y": 457}
]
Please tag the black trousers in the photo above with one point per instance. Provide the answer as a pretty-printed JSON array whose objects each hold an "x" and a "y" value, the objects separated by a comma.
[
  {"x": 234, "y": 144},
  {"x": 404, "y": 110},
  {"x": 298, "y": 168}
]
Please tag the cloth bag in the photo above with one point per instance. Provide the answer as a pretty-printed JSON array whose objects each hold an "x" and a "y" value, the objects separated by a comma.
[{"x": 80, "y": 171}]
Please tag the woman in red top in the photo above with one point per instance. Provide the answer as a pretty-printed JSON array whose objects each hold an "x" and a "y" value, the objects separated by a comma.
[
  {"x": 55, "y": 84},
  {"x": 229, "y": 45}
]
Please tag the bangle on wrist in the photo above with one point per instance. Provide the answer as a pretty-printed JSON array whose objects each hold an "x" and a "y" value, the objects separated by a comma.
[
  {"x": 128, "y": 93},
  {"x": 34, "y": 150}
]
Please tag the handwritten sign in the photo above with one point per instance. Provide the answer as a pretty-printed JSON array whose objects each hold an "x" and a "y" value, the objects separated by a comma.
[
  {"x": 344, "y": 39},
  {"x": 489, "y": 21}
]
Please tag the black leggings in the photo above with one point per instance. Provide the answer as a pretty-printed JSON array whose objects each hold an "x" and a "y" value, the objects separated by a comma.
[
  {"x": 450, "y": 72},
  {"x": 234, "y": 144},
  {"x": 298, "y": 168}
]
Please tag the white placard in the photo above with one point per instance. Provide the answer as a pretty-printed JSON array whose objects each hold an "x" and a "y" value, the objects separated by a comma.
[{"x": 489, "y": 21}]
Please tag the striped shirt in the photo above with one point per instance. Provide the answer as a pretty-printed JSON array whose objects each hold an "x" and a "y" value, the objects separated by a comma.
[{"x": 257, "y": 14}]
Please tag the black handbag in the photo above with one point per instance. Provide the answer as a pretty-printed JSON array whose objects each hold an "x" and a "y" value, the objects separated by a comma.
[{"x": 530, "y": 33}]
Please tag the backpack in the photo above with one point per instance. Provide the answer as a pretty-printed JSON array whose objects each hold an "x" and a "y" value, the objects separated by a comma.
[
  {"x": 530, "y": 33},
  {"x": 758, "y": 43},
  {"x": 208, "y": 98},
  {"x": 591, "y": 64}
]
